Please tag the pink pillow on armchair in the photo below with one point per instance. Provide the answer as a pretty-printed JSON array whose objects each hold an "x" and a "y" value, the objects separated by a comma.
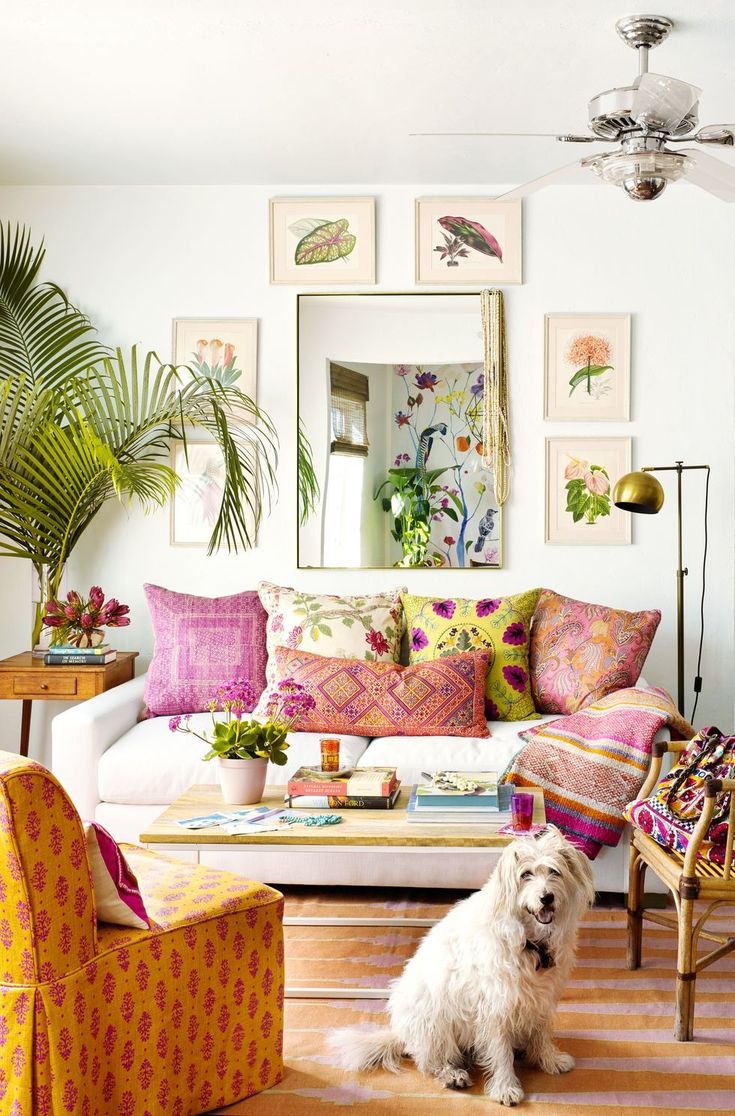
[
  {"x": 201, "y": 642},
  {"x": 581, "y": 652}
]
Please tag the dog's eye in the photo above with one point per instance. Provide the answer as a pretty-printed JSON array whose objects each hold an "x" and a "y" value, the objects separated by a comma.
[
  {"x": 553, "y": 872},
  {"x": 526, "y": 875}
]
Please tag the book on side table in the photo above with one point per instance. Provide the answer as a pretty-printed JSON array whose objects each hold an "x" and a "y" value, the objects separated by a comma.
[{"x": 69, "y": 655}]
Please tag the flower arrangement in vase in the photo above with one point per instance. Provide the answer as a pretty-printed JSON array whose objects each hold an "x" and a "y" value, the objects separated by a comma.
[
  {"x": 78, "y": 621},
  {"x": 243, "y": 746}
]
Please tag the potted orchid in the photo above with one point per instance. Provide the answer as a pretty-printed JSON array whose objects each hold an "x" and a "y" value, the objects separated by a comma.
[{"x": 243, "y": 746}]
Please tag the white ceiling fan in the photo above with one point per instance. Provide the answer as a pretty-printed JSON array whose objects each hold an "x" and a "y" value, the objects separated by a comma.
[{"x": 645, "y": 118}]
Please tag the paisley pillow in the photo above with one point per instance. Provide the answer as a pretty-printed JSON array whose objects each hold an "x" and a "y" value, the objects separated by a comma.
[
  {"x": 446, "y": 626},
  {"x": 581, "y": 652}
]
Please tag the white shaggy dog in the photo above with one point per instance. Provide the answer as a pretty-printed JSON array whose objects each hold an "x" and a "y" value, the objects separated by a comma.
[{"x": 485, "y": 981}]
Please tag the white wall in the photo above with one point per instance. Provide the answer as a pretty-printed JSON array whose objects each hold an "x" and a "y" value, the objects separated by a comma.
[{"x": 134, "y": 258}]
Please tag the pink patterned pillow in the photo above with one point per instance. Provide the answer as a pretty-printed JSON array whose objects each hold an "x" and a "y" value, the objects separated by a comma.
[
  {"x": 444, "y": 697},
  {"x": 116, "y": 893},
  {"x": 581, "y": 652},
  {"x": 201, "y": 642}
]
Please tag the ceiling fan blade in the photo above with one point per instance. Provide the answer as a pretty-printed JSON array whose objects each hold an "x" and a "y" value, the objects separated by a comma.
[
  {"x": 570, "y": 174},
  {"x": 713, "y": 175},
  {"x": 663, "y": 102},
  {"x": 564, "y": 137},
  {"x": 723, "y": 134}
]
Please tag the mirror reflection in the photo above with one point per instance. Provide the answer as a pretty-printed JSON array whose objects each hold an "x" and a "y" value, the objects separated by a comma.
[{"x": 397, "y": 445}]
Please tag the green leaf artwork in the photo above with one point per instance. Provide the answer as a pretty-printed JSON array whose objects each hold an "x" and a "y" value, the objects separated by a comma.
[
  {"x": 585, "y": 374},
  {"x": 326, "y": 243},
  {"x": 307, "y": 225},
  {"x": 590, "y": 355},
  {"x": 588, "y": 491}
]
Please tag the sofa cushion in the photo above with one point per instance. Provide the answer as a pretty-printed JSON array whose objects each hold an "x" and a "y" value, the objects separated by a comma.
[
  {"x": 201, "y": 642},
  {"x": 366, "y": 627},
  {"x": 443, "y": 626},
  {"x": 151, "y": 764},
  {"x": 581, "y": 652},
  {"x": 442, "y": 697},
  {"x": 414, "y": 755}
]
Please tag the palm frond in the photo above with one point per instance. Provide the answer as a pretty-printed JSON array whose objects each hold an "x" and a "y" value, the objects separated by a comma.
[
  {"x": 43, "y": 338},
  {"x": 108, "y": 434},
  {"x": 308, "y": 485}
]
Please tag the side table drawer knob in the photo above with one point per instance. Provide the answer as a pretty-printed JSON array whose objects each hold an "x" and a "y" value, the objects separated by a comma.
[{"x": 29, "y": 685}]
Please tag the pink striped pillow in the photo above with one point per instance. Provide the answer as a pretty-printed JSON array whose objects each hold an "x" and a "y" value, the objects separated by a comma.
[{"x": 116, "y": 893}]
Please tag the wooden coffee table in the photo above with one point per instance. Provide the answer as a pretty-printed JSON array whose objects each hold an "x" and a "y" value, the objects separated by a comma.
[{"x": 379, "y": 831}]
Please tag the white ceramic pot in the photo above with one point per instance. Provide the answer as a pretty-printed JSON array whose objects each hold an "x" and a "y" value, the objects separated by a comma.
[{"x": 242, "y": 780}]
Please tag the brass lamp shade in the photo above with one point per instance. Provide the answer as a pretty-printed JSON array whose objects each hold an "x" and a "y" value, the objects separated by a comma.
[{"x": 639, "y": 492}]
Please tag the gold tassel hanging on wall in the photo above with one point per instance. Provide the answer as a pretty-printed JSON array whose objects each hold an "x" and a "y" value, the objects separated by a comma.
[{"x": 496, "y": 438}]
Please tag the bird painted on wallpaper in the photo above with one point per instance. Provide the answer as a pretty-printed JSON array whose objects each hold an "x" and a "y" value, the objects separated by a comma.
[{"x": 426, "y": 441}]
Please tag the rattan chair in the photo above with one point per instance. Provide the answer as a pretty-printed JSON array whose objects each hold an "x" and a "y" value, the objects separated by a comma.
[{"x": 689, "y": 878}]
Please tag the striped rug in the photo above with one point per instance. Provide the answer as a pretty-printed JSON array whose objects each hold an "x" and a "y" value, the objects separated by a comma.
[{"x": 617, "y": 1024}]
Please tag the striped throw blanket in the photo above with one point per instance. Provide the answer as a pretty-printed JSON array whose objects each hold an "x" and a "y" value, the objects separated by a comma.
[{"x": 592, "y": 763}]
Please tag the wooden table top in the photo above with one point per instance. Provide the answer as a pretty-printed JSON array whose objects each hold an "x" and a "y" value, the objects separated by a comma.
[{"x": 358, "y": 827}]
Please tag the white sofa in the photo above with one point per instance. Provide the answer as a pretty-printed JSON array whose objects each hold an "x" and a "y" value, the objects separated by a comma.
[{"x": 123, "y": 772}]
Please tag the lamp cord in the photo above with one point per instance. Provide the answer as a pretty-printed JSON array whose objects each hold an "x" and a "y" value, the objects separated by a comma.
[{"x": 698, "y": 677}]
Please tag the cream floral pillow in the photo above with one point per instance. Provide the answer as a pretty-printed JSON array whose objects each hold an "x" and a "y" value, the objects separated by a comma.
[{"x": 367, "y": 627}]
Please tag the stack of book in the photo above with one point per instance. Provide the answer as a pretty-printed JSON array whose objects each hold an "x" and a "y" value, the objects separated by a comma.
[
  {"x": 352, "y": 788},
  {"x": 459, "y": 797},
  {"x": 68, "y": 655}
]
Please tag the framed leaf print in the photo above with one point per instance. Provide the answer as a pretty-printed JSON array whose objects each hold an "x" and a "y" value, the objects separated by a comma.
[
  {"x": 587, "y": 367},
  {"x": 468, "y": 240},
  {"x": 322, "y": 240},
  {"x": 581, "y": 474}
]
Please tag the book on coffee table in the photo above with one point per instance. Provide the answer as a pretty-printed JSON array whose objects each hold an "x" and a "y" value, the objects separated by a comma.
[
  {"x": 458, "y": 790},
  {"x": 336, "y": 802},
  {"x": 351, "y": 782}
]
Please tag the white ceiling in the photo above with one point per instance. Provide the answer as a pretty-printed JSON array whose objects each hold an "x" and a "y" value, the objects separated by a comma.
[{"x": 323, "y": 91}]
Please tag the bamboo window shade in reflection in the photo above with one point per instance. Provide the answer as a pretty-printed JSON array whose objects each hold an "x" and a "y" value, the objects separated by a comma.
[{"x": 349, "y": 395}]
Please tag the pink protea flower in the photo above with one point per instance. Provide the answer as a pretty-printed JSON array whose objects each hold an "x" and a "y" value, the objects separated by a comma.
[{"x": 229, "y": 353}]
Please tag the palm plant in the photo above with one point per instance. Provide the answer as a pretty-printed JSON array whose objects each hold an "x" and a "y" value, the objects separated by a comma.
[{"x": 80, "y": 424}]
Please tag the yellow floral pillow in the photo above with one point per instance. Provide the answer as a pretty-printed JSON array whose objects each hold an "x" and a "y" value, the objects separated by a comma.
[{"x": 446, "y": 626}]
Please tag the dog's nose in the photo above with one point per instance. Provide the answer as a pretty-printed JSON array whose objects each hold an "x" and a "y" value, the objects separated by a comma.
[{"x": 547, "y": 900}]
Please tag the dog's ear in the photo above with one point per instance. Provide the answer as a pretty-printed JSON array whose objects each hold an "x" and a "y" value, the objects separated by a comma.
[
  {"x": 503, "y": 894},
  {"x": 581, "y": 871}
]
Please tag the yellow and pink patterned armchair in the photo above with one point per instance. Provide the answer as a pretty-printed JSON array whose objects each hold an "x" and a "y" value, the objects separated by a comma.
[{"x": 98, "y": 1019}]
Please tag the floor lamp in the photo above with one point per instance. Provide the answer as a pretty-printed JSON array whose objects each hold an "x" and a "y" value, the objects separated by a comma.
[{"x": 642, "y": 493}]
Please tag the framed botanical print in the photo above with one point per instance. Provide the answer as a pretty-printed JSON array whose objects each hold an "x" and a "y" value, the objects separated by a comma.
[
  {"x": 587, "y": 367},
  {"x": 322, "y": 240},
  {"x": 581, "y": 474},
  {"x": 468, "y": 240},
  {"x": 196, "y": 502},
  {"x": 224, "y": 348}
]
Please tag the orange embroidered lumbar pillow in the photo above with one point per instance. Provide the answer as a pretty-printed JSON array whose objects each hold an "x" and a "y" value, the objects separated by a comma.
[{"x": 444, "y": 697}]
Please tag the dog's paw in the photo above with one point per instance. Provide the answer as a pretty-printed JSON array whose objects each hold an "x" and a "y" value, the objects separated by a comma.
[
  {"x": 557, "y": 1062},
  {"x": 453, "y": 1077},
  {"x": 507, "y": 1092}
]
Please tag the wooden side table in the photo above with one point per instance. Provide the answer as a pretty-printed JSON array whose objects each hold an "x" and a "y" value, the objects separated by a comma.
[{"x": 27, "y": 679}]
